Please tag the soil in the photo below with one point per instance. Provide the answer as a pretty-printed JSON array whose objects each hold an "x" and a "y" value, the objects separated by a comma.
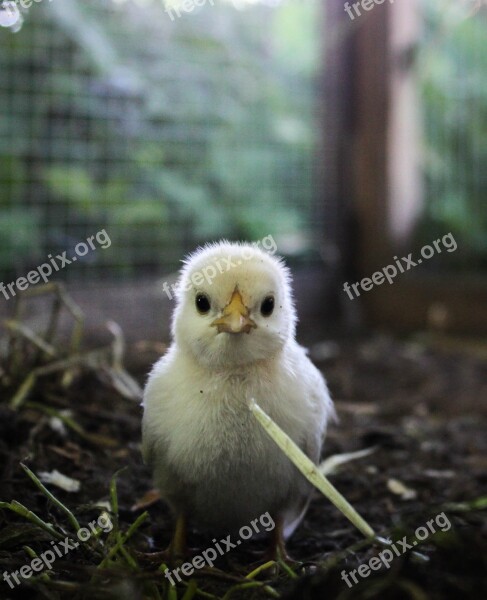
[{"x": 421, "y": 403}]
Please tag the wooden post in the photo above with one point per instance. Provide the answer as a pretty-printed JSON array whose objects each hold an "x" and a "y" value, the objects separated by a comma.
[{"x": 372, "y": 167}]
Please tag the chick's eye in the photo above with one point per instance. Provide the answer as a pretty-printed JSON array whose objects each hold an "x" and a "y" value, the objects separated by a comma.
[
  {"x": 267, "y": 306},
  {"x": 202, "y": 303}
]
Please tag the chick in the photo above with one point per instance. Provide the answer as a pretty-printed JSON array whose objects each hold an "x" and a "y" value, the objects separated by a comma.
[{"x": 233, "y": 340}]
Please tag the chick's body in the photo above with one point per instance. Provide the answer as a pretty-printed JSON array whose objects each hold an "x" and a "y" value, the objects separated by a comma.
[{"x": 212, "y": 461}]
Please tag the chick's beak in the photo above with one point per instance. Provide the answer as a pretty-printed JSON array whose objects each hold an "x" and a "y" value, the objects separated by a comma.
[{"x": 235, "y": 317}]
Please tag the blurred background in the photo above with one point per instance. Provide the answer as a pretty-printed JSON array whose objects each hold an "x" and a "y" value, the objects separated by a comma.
[{"x": 348, "y": 140}]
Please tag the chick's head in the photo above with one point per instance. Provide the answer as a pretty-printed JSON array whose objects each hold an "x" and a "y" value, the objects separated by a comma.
[{"x": 234, "y": 306}]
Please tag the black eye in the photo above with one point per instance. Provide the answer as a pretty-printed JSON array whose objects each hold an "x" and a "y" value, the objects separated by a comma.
[
  {"x": 267, "y": 306},
  {"x": 202, "y": 303}
]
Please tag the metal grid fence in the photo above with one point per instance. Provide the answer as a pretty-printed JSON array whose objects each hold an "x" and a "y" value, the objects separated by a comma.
[
  {"x": 451, "y": 68},
  {"x": 163, "y": 132},
  {"x": 167, "y": 132}
]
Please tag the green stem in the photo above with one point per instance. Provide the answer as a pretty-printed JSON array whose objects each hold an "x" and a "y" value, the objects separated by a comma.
[
  {"x": 309, "y": 469},
  {"x": 72, "y": 519},
  {"x": 24, "y": 512},
  {"x": 123, "y": 539}
]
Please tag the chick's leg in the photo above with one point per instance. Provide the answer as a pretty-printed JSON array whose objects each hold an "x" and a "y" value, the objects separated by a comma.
[
  {"x": 277, "y": 547},
  {"x": 177, "y": 547}
]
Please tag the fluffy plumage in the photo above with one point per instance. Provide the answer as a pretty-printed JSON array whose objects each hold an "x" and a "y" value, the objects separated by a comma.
[{"x": 212, "y": 461}]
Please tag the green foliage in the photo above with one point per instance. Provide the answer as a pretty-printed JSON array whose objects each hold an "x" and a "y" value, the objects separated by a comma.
[
  {"x": 453, "y": 63},
  {"x": 19, "y": 237},
  {"x": 167, "y": 133}
]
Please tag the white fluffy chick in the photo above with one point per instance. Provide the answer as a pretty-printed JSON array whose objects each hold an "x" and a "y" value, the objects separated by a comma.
[{"x": 233, "y": 340}]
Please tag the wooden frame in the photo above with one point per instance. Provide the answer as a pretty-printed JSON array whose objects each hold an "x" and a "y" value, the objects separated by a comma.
[{"x": 372, "y": 125}]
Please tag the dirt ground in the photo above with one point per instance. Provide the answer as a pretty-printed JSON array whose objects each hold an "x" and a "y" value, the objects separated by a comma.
[{"x": 420, "y": 402}]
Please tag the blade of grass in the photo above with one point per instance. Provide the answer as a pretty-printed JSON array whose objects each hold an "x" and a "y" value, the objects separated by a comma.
[
  {"x": 331, "y": 464},
  {"x": 24, "y": 512},
  {"x": 286, "y": 568},
  {"x": 199, "y": 592},
  {"x": 31, "y": 336},
  {"x": 190, "y": 592},
  {"x": 72, "y": 519},
  {"x": 172, "y": 593},
  {"x": 260, "y": 568},
  {"x": 32, "y": 554},
  {"x": 123, "y": 539},
  {"x": 309, "y": 469},
  {"x": 249, "y": 585},
  {"x": 71, "y": 423},
  {"x": 125, "y": 553},
  {"x": 114, "y": 495}
]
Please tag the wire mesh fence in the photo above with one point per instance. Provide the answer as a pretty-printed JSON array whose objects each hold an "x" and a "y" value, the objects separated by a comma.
[
  {"x": 164, "y": 132},
  {"x": 451, "y": 69}
]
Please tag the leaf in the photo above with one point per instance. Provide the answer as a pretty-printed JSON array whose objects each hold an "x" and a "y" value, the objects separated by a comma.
[
  {"x": 332, "y": 463},
  {"x": 75, "y": 186},
  {"x": 61, "y": 481},
  {"x": 148, "y": 499},
  {"x": 399, "y": 489}
]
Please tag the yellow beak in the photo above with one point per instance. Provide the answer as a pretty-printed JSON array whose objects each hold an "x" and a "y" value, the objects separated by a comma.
[{"x": 235, "y": 317}]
